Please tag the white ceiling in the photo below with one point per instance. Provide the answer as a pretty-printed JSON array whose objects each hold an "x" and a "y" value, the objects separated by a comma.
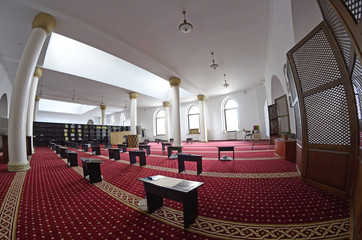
[{"x": 145, "y": 33}]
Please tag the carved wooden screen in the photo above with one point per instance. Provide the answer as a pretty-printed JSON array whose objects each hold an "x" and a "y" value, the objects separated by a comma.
[
  {"x": 326, "y": 110},
  {"x": 273, "y": 123}
]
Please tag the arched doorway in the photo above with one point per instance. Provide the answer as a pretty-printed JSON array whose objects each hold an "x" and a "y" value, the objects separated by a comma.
[{"x": 4, "y": 106}]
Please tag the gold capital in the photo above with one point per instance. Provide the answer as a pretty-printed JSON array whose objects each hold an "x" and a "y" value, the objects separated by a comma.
[
  {"x": 133, "y": 95},
  {"x": 201, "y": 97},
  {"x": 175, "y": 81},
  {"x": 44, "y": 21},
  {"x": 37, "y": 98},
  {"x": 38, "y": 72},
  {"x": 166, "y": 104},
  {"x": 103, "y": 107}
]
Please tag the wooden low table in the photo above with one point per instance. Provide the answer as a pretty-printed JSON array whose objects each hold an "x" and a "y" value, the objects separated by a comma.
[
  {"x": 85, "y": 147},
  {"x": 63, "y": 152},
  {"x": 182, "y": 157},
  {"x": 221, "y": 149},
  {"x": 140, "y": 154},
  {"x": 57, "y": 149},
  {"x": 165, "y": 144},
  {"x": 123, "y": 147},
  {"x": 147, "y": 147},
  {"x": 114, "y": 153},
  {"x": 96, "y": 149},
  {"x": 189, "y": 140},
  {"x": 92, "y": 168},
  {"x": 171, "y": 148},
  {"x": 72, "y": 158},
  {"x": 179, "y": 190}
]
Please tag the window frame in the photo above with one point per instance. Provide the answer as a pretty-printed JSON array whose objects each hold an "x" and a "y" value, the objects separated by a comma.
[
  {"x": 164, "y": 117},
  {"x": 224, "y": 110},
  {"x": 193, "y": 114}
]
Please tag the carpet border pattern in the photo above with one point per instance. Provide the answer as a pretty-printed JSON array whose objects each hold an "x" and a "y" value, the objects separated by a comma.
[
  {"x": 10, "y": 206},
  {"x": 336, "y": 229}
]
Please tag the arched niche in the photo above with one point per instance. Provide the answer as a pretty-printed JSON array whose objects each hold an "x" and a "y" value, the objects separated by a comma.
[{"x": 4, "y": 106}]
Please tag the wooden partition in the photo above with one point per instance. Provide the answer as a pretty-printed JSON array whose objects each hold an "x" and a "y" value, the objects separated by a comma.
[{"x": 118, "y": 137}]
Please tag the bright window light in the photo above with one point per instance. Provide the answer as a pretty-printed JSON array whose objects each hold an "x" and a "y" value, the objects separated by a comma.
[{"x": 63, "y": 107}]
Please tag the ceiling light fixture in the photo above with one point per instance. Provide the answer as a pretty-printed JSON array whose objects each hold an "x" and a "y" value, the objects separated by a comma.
[
  {"x": 213, "y": 65},
  {"x": 185, "y": 27},
  {"x": 225, "y": 84}
]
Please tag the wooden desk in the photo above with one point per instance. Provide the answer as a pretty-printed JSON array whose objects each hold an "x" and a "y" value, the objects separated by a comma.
[
  {"x": 85, "y": 147},
  {"x": 182, "y": 157},
  {"x": 114, "y": 153},
  {"x": 140, "y": 154},
  {"x": 221, "y": 149},
  {"x": 92, "y": 169},
  {"x": 72, "y": 158},
  {"x": 123, "y": 147},
  {"x": 179, "y": 190},
  {"x": 57, "y": 149},
  {"x": 96, "y": 149},
  {"x": 165, "y": 144},
  {"x": 285, "y": 149},
  {"x": 147, "y": 147},
  {"x": 63, "y": 152},
  {"x": 170, "y": 148},
  {"x": 189, "y": 140}
]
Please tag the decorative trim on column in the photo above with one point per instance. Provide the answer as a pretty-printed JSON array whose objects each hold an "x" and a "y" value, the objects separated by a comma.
[
  {"x": 166, "y": 104},
  {"x": 38, "y": 72},
  {"x": 103, "y": 107},
  {"x": 133, "y": 95},
  {"x": 175, "y": 81},
  {"x": 18, "y": 167},
  {"x": 201, "y": 97},
  {"x": 44, "y": 21},
  {"x": 37, "y": 98}
]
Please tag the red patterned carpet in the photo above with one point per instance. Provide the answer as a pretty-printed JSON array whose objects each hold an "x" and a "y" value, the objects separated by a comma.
[{"x": 241, "y": 199}]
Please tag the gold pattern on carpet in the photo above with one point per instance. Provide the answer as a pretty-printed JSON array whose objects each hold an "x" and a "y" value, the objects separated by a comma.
[
  {"x": 10, "y": 206},
  {"x": 232, "y": 230}
]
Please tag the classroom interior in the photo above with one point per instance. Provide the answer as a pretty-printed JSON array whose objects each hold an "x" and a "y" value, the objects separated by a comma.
[{"x": 181, "y": 119}]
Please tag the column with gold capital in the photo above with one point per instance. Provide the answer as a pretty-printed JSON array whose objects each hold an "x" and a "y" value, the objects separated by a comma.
[
  {"x": 166, "y": 106},
  {"x": 203, "y": 129},
  {"x": 103, "y": 113},
  {"x": 30, "y": 115},
  {"x": 176, "y": 122},
  {"x": 133, "y": 112},
  {"x": 36, "y": 107},
  {"x": 43, "y": 24}
]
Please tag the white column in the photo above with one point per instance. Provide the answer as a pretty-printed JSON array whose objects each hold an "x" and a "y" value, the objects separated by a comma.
[
  {"x": 133, "y": 112},
  {"x": 43, "y": 24},
  {"x": 166, "y": 106},
  {"x": 30, "y": 116},
  {"x": 203, "y": 129},
  {"x": 176, "y": 122},
  {"x": 103, "y": 112},
  {"x": 36, "y": 107}
]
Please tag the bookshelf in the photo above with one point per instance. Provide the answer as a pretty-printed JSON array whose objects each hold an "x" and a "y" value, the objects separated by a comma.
[{"x": 44, "y": 132}]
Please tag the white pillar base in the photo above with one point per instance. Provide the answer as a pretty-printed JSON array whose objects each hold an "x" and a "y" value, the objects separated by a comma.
[{"x": 18, "y": 166}]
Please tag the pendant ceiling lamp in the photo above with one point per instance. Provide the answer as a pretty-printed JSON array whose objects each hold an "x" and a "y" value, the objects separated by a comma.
[
  {"x": 225, "y": 84},
  {"x": 213, "y": 65},
  {"x": 185, "y": 27}
]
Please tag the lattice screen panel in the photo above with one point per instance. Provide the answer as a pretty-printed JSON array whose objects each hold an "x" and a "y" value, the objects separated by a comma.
[
  {"x": 327, "y": 117},
  {"x": 315, "y": 62},
  {"x": 355, "y": 7},
  {"x": 356, "y": 79},
  {"x": 338, "y": 30}
]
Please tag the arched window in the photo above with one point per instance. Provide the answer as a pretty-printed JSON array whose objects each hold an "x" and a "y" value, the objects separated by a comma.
[
  {"x": 231, "y": 119},
  {"x": 123, "y": 119},
  {"x": 113, "y": 120},
  {"x": 193, "y": 117},
  {"x": 160, "y": 122}
]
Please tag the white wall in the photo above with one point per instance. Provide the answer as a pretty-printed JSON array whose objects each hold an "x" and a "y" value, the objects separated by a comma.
[
  {"x": 5, "y": 87},
  {"x": 251, "y": 112}
]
